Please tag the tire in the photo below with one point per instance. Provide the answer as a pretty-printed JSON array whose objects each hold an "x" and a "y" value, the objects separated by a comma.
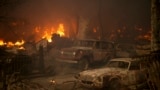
[
  {"x": 83, "y": 64},
  {"x": 115, "y": 85},
  {"x": 82, "y": 88}
]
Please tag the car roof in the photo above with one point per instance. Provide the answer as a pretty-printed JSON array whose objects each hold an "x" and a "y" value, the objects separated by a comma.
[
  {"x": 95, "y": 40},
  {"x": 123, "y": 59}
]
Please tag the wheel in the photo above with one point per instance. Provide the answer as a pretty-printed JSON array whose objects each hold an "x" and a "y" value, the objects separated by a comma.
[
  {"x": 83, "y": 64},
  {"x": 115, "y": 85},
  {"x": 82, "y": 88}
]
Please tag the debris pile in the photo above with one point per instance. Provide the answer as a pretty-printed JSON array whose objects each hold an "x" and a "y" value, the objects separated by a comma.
[{"x": 14, "y": 82}]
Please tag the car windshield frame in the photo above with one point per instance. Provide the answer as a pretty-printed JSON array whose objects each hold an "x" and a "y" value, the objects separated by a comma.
[
  {"x": 118, "y": 64},
  {"x": 84, "y": 43},
  {"x": 135, "y": 65}
]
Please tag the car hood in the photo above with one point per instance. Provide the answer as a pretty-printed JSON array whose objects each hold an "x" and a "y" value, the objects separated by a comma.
[
  {"x": 76, "y": 48},
  {"x": 102, "y": 71}
]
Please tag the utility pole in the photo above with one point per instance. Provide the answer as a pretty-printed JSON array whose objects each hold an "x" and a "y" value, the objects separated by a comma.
[{"x": 155, "y": 25}]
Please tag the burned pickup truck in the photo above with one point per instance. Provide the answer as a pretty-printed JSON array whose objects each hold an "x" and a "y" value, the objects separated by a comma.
[
  {"x": 87, "y": 51},
  {"x": 118, "y": 74}
]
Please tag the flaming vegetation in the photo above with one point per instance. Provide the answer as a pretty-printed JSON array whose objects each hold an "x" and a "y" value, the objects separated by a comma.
[{"x": 47, "y": 32}]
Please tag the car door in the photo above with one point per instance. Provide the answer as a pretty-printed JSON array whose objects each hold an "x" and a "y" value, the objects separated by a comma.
[
  {"x": 102, "y": 51},
  {"x": 133, "y": 73},
  {"x": 106, "y": 50},
  {"x": 97, "y": 51}
]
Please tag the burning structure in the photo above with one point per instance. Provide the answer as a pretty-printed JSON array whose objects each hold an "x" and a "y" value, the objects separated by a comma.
[
  {"x": 56, "y": 23},
  {"x": 61, "y": 15}
]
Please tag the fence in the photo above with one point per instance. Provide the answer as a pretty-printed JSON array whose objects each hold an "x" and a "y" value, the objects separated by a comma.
[{"x": 18, "y": 63}]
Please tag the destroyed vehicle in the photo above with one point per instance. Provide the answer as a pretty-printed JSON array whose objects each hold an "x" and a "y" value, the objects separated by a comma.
[
  {"x": 86, "y": 52},
  {"x": 125, "y": 50},
  {"x": 118, "y": 73}
]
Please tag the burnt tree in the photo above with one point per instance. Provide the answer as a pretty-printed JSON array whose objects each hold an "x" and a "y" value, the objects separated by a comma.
[
  {"x": 154, "y": 57},
  {"x": 155, "y": 24}
]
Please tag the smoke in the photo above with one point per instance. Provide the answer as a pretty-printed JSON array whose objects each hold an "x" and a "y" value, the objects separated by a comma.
[
  {"x": 56, "y": 67},
  {"x": 113, "y": 14}
]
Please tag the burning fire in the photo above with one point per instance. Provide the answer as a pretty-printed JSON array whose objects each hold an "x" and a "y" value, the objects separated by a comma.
[
  {"x": 60, "y": 30},
  {"x": 49, "y": 31},
  {"x": 48, "y": 36},
  {"x": 2, "y": 43},
  {"x": 11, "y": 44}
]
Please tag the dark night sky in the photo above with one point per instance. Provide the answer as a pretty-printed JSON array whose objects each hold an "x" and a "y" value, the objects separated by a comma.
[{"x": 114, "y": 13}]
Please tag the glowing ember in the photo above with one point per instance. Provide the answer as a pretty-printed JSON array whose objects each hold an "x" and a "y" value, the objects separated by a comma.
[
  {"x": 94, "y": 30},
  {"x": 148, "y": 37},
  {"x": 22, "y": 48},
  {"x": 10, "y": 44},
  {"x": 145, "y": 37},
  {"x": 19, "y": 43}
]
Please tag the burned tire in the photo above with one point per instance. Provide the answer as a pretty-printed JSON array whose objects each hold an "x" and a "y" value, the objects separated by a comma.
[
  {"x": 83, "y": 64},
  {"x": 115, "y": 85},
  {"x": 82, "y": 88}
]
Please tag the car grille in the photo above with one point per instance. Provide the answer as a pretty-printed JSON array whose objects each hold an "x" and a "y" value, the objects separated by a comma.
[{"x": 68, "y": 55}]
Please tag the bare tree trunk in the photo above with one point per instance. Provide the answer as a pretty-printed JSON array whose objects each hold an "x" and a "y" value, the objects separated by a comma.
[
  {"x": 155, "y": 24},
  {"x": 82, "y": 27},
  {"x": 154, "y": 74}
]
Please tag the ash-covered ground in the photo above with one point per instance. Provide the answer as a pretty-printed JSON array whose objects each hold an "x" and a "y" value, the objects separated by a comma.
[{"x": 55, "y": 77}]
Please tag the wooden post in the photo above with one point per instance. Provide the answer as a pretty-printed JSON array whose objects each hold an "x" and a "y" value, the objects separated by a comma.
[{"x": 41, "y": 59}]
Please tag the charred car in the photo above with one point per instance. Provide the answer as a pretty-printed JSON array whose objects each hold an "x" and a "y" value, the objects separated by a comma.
[
  {"x": 86, "y": 52},
  {"x": 118, "y": 73}
]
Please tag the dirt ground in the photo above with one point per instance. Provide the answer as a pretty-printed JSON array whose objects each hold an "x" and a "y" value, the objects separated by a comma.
[
  {"x": 65, "y": 81},
  {"x": 62, "y": 78},
  {"x": 61, "y": 81}
]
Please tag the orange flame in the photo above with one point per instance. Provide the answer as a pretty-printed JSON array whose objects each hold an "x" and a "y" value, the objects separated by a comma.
[
  {"x": 19, "y": 43},
  {"x": 2, "y": 43},
  {"x": 94, "y": 30},
  {"x": 60, "y": 30},
  {"x": 11, "y": 44},
  {"x": 48, "y": 36},
  {"x": 49, "y": 31},
  {"x": 145, "y": 37}
]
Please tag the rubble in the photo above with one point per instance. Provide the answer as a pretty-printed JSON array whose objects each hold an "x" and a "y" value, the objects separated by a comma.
[{"x": 14, "y": 82}]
